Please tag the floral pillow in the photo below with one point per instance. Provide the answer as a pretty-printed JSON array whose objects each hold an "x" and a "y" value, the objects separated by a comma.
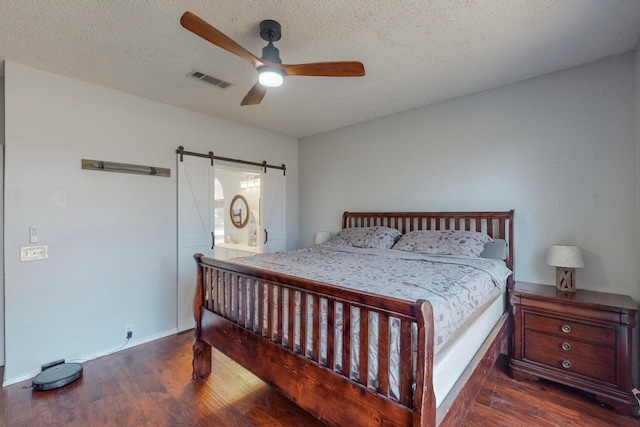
[
  {"x": 443, "y": 242},
  {"x": 367, "y": 237}
]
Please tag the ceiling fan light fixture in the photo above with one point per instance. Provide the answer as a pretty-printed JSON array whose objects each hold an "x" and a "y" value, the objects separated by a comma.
[
  {"x": 271, "y": 70},
  {"x": 270, "y": 76}
]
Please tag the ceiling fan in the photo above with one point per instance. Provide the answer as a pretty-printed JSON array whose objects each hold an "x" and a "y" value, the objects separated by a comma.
[{"x": 271, "y": 70}]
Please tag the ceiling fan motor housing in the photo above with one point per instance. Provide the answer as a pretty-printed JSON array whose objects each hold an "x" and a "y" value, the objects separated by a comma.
[
  {"x": 270, "y": 31},
  {"x": 271, "y": 53}
]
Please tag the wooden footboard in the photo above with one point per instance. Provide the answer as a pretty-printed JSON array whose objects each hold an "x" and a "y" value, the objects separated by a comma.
[{"x": 248, "y": 315}]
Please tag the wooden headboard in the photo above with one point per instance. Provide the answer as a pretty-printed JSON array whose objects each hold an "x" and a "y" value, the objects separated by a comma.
[{"x": 498, "y": 225}]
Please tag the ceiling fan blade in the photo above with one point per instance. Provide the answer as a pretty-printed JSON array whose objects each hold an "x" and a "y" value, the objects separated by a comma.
[
  {"x": 202, "y": 28},
  {"x": 255, "y": 95},
  {"x": 326, "y": 69}
]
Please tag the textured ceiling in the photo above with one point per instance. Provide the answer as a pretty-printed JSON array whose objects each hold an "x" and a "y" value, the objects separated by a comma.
[{"x": 415, "y": 52}]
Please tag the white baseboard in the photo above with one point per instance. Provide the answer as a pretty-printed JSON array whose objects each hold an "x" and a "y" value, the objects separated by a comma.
[{"x": 132, "y": 343}]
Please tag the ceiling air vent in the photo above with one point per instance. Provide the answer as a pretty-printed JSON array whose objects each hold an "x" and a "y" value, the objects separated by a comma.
[{"x": 209, "y": 79}]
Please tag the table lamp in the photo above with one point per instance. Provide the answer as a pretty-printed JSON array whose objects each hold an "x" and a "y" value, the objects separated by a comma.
[
  {"x": 566, "y": 259},
  {"x": 322, "y": 237}
]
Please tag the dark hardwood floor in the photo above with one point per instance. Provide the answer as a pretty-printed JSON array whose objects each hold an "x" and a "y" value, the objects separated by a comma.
[
  {"x": 504, "y": 402},
  {"x": 150, "y": 385}
]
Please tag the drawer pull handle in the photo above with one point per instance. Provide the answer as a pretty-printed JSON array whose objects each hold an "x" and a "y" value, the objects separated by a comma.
[
  {"x": 566, "y": 346},
  {"x": 566, "y": 364},
  {"x": 566, "y": 329}
]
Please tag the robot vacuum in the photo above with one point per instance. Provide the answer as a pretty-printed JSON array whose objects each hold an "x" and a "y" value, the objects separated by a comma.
[{"x": 57, "y": 374}]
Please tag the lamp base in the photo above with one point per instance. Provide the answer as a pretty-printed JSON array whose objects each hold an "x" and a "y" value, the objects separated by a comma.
[{"x": 566, "y": 279}]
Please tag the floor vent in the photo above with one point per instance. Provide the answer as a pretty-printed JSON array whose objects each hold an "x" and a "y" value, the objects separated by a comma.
[{"x": 209, "y": 79}]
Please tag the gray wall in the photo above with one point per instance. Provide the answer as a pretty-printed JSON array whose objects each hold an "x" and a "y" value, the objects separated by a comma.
[
  {"x": 559, "y": 149},
  {"x": 111, "y": 236},
  {"x": 1, "y": 220}
]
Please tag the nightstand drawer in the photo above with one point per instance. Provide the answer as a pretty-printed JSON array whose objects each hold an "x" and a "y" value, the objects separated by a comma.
[
  {"x": 567, "y": 347},
  {"x": 562, "y": 327},
  {"x": 571, "y": 364}
]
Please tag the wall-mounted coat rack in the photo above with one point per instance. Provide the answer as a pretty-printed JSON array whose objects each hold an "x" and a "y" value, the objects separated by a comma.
[{"x": 99, "y": 165}]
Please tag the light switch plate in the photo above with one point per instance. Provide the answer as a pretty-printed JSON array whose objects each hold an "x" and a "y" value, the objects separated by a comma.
[
  {"x": 32, "y": 253},
  {"x": 33, "y": 234}
]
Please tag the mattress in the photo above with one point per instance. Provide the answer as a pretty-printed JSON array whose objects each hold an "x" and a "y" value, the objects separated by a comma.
[{"x": 450, "y": 363}]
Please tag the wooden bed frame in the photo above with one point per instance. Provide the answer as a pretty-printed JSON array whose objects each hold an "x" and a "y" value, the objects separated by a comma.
[{"x": 238, "y": 327}]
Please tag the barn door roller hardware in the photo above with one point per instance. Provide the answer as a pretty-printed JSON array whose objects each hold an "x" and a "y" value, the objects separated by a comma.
[{"x": 264, "y": 165}]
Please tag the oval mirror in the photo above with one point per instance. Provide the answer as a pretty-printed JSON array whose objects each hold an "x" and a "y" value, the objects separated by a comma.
[{"x": 239, "y": 211}]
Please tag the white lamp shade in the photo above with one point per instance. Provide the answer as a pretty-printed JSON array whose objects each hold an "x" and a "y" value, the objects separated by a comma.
[
  {"x": 565, "y": 256},
  {"x": 322, "y": 237}
]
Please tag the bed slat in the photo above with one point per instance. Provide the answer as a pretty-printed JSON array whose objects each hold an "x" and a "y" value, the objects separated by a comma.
[
  {"x": 291, "y": 321},
  {"x": 406, "y": 373},
  {"x": 346, "y": 340},
  {"x": 303, "y": 324},
  {"x": 279, "y": 314},
  {"x": 251, "y": 304},
  {"x": 331, "y": 331},
  {"x": 268, "y": 310},
  {"x": 315, "y": 346},
  {"x": 363, "y": 359},
  {"x": 235, "y": 296},
  {"x": 383, "y": 354},
  {"x": 260, "y": 301},
  {"x": 240, "y": 298}
]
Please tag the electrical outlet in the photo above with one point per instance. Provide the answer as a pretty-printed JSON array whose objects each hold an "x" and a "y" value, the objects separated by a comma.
[
  {"x": 32, "y": 253},
  {"x": 128, "y": 329}
]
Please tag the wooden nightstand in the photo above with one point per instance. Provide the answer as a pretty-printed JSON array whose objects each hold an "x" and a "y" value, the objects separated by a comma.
[{"x": 581, "y": 339}]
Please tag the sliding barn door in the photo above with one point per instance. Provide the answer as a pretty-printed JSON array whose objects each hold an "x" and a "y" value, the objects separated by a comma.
[
  {"x": 274, "y": 231},
  {"x": 196, "y": 184}
]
